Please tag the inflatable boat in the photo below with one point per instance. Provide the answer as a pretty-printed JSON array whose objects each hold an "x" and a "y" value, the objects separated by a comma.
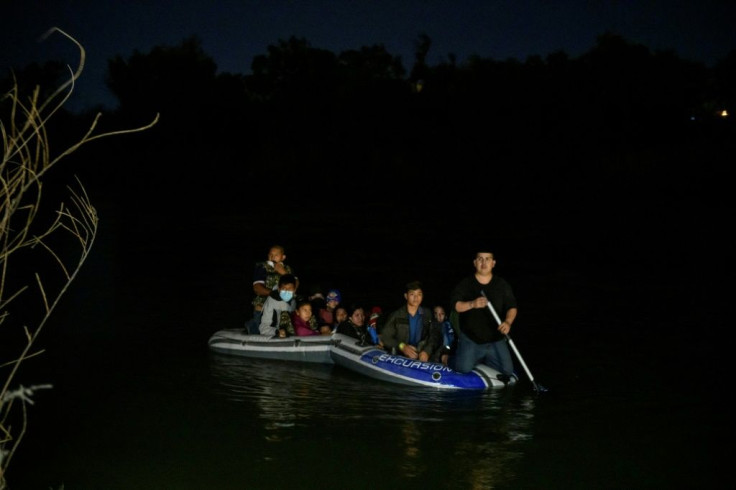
[
  {"x": 367, "y": 360},
  {"x": 379, "y": 364},
  {"x": 314, "y": 348}
]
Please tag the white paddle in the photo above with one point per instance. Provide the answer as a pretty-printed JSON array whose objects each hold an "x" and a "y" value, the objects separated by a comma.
[{"x": 513, "y": 347}]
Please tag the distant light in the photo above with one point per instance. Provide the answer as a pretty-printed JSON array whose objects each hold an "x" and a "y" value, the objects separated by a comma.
[{"x": 724, "y": 113}]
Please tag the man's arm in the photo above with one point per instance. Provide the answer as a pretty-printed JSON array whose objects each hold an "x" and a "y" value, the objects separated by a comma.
[
  {"x": 434, "y": 342},
  {"x": 260, "y": 289},
  {"x": 505, "y": 326},
  {"x": 388, "y": 332},
  {"x": 463, "y": 306}
]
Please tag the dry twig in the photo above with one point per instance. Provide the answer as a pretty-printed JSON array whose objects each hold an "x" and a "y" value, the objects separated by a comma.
[{"x": 26, "y": 157}]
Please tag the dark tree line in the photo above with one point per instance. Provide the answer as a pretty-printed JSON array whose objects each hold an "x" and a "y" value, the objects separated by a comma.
[
  {"x": 302, "y": 110},
  {"x": 304, "y": 107},
  {"x": 606, "y": 159}
]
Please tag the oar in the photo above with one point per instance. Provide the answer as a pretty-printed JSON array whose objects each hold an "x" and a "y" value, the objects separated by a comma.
[{"x": 537, "y": 388}]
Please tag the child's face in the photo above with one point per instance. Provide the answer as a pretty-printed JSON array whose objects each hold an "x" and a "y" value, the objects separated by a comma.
[
  {"x": 341, "y": 315},
  {"x": 304, "y": 312},
  {"x": 439, "y": 314},
  {"x": 276, "y": 255}
]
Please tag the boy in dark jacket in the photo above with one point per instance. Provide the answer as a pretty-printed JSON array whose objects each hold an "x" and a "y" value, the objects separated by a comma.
[{"x": 408, "y": 331}]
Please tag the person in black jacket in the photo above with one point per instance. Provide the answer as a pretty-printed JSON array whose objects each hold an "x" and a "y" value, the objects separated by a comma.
[
  {"x": 355, "y": 326},
  {"x": 408, "y": 331},
  {"x": 481, "y": 338}
]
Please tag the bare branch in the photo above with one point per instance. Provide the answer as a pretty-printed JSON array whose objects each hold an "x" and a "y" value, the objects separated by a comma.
[{"x": 26, "y": 157}]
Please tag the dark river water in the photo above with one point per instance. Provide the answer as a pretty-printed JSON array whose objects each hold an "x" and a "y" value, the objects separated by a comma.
[{"x": 637, "y": 390}]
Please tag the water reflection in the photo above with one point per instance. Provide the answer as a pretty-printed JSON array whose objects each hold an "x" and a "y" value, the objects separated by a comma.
[{"x": 462, "y": 439}]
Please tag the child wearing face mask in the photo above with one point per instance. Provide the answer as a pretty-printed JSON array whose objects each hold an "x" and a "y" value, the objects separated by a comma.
[{"x": 279, "y": 300}]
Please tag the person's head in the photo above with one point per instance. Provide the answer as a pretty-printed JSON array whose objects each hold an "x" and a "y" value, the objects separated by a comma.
[
  {"x": 276, "y": 254},
  {"x": 484, "y": 262},
  {"x": 287, "y": 286},
  {"x": 439, "y": 313},
  {"x": 315, "y": 293},
  {"x": 357, "y": 315},
  {"x": 414, "y": 293},
  {"x": 304, "y": 309},
  {"x": 333, "y": 298},
  {"x": 373, "y": 318},
  {"x": 341, "y": 314},
  {"x": 375, "y": 312},
  {"x": 287, "y": 281}
]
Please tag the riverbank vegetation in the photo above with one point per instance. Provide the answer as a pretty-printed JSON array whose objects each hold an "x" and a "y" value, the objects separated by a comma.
[{"x": 41, "y": 248}]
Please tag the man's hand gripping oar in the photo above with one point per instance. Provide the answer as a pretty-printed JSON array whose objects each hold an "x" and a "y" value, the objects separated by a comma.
[{"x": 537, "y": 388}]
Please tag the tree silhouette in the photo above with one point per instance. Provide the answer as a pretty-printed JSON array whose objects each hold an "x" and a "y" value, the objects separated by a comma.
[
  {"x": 175, "y": 81},
  {"x": 302, "y": 107}
]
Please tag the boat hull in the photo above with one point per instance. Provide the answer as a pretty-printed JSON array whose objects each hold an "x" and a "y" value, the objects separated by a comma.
[
  {"x": 367, "y": 360},
  {"x": 303, "y": 349},
  {"x": 376, "y": 363}
]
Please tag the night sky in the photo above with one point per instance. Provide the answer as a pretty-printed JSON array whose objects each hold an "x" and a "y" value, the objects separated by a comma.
[{"x": 233, "y": 32}]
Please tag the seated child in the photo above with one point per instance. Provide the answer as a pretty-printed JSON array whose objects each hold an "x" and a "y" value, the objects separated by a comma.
[
  {"x": 278, "y": 301},
  {"x": 325, "y": 313},
  {"x": 341, "y": 314},
  {"x": 301, "y": 321},
  {"x": 373, "y": 325}
]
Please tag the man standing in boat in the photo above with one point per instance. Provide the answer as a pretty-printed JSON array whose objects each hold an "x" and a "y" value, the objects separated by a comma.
[
  {"x": 408, "y": 331},
  {"x": 265, "y": 279},
  {"x": 480, "y": 338}
]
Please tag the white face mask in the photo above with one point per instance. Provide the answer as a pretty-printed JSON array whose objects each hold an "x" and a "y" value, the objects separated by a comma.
[{"x": 286, "y": 295}]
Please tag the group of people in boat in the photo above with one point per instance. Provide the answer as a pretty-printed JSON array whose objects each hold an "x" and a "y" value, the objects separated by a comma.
[{"x": 475, "y": 334}]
